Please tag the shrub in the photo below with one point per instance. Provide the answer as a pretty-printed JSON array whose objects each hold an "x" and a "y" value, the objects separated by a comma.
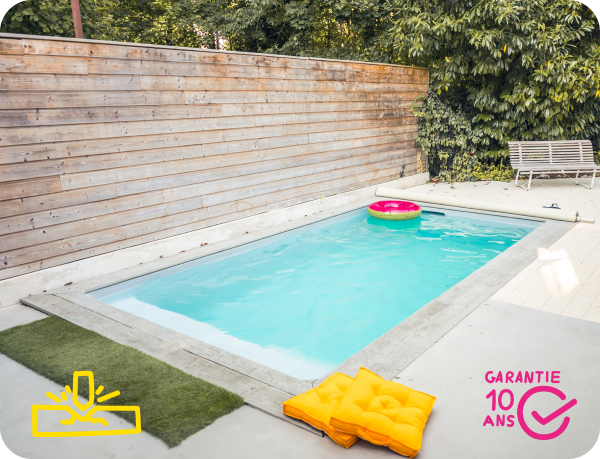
[
  {"x": 499, "y": 172},
  {"x": 447, "y": 138}
]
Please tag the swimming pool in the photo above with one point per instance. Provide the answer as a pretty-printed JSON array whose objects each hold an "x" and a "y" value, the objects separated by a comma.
[{"x": 304, "y": 301}]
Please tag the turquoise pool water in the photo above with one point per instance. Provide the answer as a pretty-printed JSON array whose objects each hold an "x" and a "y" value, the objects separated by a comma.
[{"x": 304, "y": 301}]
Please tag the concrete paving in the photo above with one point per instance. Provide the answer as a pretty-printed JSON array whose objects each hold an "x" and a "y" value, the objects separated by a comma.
[
  {"x": 18, "y": 314},
  {"x": 504, "y": 337},
  {"x": 495, "y": 337}
]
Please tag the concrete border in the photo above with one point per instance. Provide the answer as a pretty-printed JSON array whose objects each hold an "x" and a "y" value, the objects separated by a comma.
[{"x": 263, "y": 387}]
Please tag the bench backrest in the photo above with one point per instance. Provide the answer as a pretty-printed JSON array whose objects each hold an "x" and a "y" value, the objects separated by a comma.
[{"x": 551, "y": 152}]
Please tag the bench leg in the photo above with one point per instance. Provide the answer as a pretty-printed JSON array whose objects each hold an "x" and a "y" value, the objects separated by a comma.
[
  {"x": 591, "y": 184},
  {"x": 517, "y": 181},
  {"x": 530, "y": 177},
  {"x": 576, "y": 177}
]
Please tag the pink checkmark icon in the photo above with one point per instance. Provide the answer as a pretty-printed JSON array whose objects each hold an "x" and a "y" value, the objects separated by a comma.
[
  {"x": 555, "y": 414},
  {"x": 547, "y": 419}
]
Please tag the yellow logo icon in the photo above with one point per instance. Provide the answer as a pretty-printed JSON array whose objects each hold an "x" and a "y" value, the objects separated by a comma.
[{"x": 87, "y": 417}]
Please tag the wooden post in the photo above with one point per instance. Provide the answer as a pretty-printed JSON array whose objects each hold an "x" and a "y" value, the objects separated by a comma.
[{"x": 77, "y": 19}]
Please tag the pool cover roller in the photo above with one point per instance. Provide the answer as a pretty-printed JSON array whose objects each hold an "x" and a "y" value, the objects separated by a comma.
[
  {"x": 528, "y": 211},
  {"x": 381, "y": 412}
]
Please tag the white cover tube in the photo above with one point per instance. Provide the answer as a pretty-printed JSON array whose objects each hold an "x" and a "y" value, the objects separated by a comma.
[{"x": 552, "y": 214}]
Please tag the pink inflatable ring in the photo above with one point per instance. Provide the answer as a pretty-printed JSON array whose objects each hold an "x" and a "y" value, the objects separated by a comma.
[{"x": 394, "y": 210}]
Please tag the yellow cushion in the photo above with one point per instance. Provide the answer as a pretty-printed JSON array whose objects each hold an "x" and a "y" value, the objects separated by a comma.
[
  {"x": 384, "y": 413},
  {"x": 316, "y": 405}
]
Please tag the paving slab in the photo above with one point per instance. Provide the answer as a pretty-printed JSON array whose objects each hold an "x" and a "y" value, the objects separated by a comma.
[{"x": 18, "y": 314}]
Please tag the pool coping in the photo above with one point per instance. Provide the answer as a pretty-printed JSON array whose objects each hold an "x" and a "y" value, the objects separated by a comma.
[{"x": 265, "y": 388}]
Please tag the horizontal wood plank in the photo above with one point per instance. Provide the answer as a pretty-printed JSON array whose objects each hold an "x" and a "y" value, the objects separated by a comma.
[
  {"x": 93, "y": 115},
  {"x": 35, "y": 152},
  {"x": 123, "y": 51},
  {"x": 148, "y": 67},
  {"x": 169, "y": 83},
  {"x": 58, "y": 82},
  {"x": 11, "y": 47},
  {"x": 77, "y": 116},
  {"x": 207, "y": 119},
  {"x": 47, "y": 202},
  {"x": 39, "y": 99},
  {"x": 19, "y": 100},
  {"x": 253, "y": 97},
  {"x": 42, "y": 64},
  {"x": 21, "y": 189},
  {"x": 312, "y": 107}
]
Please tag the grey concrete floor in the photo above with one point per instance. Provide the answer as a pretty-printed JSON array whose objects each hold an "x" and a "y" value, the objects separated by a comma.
[
  {"x": 503, "y": 337},
  {"x": 17, "y": 314},
  {"x": 495, "y": 337}
]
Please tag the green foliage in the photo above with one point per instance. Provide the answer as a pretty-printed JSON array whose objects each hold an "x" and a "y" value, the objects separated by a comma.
[
  {"x": 54, "y": 17},
  {"x": 521, "y": 70},
  {"x": 160, "y": 22},
  {"x": 493, "y": 172},
  {"x": 447, "y": 138},
  {"x": 346, "y": 29}
]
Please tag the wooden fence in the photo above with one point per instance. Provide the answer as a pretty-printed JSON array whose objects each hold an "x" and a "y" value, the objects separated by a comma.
[{"x": 105, "y": 146}]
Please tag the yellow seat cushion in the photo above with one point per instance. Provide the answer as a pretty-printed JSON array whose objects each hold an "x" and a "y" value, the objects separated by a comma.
[
  {"x": 316, "y": 405},
  {"x": 384, "y": 413}
]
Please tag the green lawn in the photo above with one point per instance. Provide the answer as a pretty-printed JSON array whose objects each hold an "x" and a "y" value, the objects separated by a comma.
[{"x": 173, "y": 404}]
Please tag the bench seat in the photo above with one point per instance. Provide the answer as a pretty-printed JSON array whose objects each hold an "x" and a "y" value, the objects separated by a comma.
[{"x": 553, "y": 157}]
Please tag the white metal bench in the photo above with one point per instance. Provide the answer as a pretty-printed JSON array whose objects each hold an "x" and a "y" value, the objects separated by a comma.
[{"x": 557, "y": 157}]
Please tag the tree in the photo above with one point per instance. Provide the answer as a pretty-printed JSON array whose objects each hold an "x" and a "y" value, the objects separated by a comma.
[
  {"x": 54, "y": 17},
  {"x": 344, "y": 29},
  {"x": 522, "y": 70}
]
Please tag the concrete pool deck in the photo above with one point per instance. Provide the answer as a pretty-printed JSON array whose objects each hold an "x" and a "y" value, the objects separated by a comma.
[{"x": 494, "y": 336}]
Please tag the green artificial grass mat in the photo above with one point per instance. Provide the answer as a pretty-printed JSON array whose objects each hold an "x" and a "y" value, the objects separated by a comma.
[{"x": 173, "y": 404}]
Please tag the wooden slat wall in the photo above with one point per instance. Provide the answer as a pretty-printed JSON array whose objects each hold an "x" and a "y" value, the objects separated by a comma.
[{"x": 106, "y": 146}]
